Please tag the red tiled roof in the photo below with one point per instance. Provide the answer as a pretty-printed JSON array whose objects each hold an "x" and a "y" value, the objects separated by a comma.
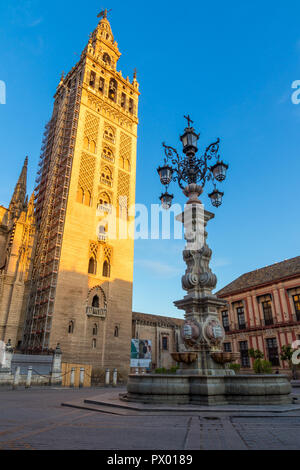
[
  {"x": 269, "y": 274},
  {"x": 168, "y": 321}
]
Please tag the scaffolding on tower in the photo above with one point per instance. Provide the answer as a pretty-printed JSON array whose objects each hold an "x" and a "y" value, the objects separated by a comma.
[{"x": 53, "y": 181}]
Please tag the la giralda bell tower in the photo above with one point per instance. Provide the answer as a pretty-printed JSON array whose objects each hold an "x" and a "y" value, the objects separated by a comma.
[{"x": 81, "y": 291}]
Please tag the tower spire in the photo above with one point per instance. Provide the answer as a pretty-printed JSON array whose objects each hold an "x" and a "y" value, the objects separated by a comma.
[{"x": 18, "y": 198}]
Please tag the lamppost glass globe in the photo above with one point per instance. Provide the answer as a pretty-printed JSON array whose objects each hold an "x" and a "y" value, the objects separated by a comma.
[
  {"x": 219, "y": 171},
  {"x": 165, "y": 174},
  {"x": 166, "y": 200},
  {"x": 216, "y": 197}
]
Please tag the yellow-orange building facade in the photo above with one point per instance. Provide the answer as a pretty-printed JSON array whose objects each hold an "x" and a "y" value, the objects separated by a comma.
[
  {"x": 80, "y": 282},
  {"x": 263, "y": 312}
]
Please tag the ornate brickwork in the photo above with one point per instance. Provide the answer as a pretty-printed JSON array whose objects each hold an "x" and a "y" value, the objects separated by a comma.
[
  {"x": 94, "y": 248},
  {"x": 107, "y": 252},
  {"x": 87, "y": 173},
  {"x": 125, "y": 146},
  {"x": 123, "y": 194},
  {"x": 91, "y": 128}
]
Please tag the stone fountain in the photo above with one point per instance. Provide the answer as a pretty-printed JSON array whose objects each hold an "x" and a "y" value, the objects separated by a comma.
[{"x": 202, "y": 377}]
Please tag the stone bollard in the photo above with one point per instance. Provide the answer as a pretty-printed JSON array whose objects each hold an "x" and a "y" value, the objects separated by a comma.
[
  {"x": 115, "y": 377},
  {"x": 29, "y": 377},
  {"x": 107, "y": 377},
  {"x": 8, "y": 355},
  {"x": 81, "y": 377},
  {"x": 55, "y": 377},
  {"x": 16, "y": 378},
  {"x": 72, "y": 377}
]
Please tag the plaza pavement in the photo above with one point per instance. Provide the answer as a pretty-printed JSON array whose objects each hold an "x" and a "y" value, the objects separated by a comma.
[{"x": 35, "y": 420}]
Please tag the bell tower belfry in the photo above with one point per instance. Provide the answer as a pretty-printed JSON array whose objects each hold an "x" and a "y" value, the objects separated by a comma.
[{"x": 82, "y": 279}]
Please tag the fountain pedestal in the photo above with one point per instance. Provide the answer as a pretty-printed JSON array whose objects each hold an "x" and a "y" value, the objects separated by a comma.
[{"x": 202, "y": 377}]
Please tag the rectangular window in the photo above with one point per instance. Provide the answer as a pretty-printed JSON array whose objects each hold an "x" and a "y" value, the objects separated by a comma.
[
  {"x": 267, "y": 311},
  {"x": 245, "y": 360},
  {"x": 92, "y": 78},
  {"x": 225, "y": 319},
  {"x": 227, "y": 347},
  {"x": 131, "y": 105},
  {"x": 296, "y": 299},
  {"x": 101, "y": 84},
  {"x": 165, "y": 343},
  {"x": 273, "y": 351},
  {"x": 123, "y": 100},
  {"x": 241, "y": 318}
]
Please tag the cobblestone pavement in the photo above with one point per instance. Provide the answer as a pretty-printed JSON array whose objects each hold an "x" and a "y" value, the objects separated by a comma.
[{"x": 35, "y": 419}]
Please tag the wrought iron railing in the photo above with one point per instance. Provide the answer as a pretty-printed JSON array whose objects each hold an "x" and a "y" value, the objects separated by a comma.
[{"x": 96, "y": 312}]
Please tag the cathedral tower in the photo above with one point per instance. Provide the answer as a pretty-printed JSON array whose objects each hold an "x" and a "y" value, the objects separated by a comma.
[
  {"x": 81, "y": 293},
  {"x": 17, "y": 241}
]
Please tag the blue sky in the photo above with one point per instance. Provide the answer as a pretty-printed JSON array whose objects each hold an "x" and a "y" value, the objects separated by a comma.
[{"x": 230, "y": 65}]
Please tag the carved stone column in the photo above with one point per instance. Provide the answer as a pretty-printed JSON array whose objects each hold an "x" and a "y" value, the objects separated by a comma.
[{"x": 202, "y": 336}]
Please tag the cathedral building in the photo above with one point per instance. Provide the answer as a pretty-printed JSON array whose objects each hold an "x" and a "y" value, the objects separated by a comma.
[
  {"x": 64, "y": 278},
  {"x": 17, "y": 242}
]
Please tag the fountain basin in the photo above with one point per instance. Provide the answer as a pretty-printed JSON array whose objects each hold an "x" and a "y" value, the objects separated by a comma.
[
  {"x": 185, "y": 357},
  {"x": 225, "y": 357},
  {"x": 210, "y": 390}
]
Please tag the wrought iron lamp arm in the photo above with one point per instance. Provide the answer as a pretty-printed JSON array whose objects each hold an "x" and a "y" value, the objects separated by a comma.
[{"x": 173, "y": 157}]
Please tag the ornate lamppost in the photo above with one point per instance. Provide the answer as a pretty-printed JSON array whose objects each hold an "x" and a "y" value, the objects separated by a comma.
[
  {"x": 200, "y": 348},
  {"x": 190, "y": 169}
]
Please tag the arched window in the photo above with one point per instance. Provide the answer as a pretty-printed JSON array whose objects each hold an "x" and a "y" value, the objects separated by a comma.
[
  {"x": 92, "y": 266},
  {"x": 93, "y": 147},
  {"x": 127, "y": 165},
  {"x": 87, "y": 198},
  {"x": 80, "y": 195},
  {"x": 86, "y": 143},
  {"x": 109, "y": 135},
  {"x": 106, "y": 58},
  {"x": 106, "y": 269},
  {"x": 116, "y": 332},
  {"x": 95, "y": 330},
  {"x": 106, "y": 176},
  {"x": 94, "y": 343},
  {"x": 107, "y": 154},
  {"x": 71, "y": 327},
  {"x": 121, "y": 162},
  {"x": 113, "y": 89},
  {"x": 96, "y": 302},
  {"x": 104, "y": 201}
]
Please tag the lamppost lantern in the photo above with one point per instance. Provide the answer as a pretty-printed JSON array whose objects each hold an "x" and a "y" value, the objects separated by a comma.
[
  {"x": 165, "y": 174},
  {"x": 219, "y": 171},
  {"x": 166, "y": 200},
  {"x": 189, "y": 141},
  {"x": 190, "y": 171},
  {"x": 216, "y": 197}
]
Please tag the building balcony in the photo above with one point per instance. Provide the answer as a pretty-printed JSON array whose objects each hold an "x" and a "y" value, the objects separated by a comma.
[
  {"x": 104, "y": 209},
  {"x": 96, "y": 312},
  {"x": 262, "y": 324},
  {"x": 102, "y": 237}
]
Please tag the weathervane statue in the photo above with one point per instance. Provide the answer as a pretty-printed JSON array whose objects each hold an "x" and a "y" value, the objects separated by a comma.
[{"x": 104, "y": 13}]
